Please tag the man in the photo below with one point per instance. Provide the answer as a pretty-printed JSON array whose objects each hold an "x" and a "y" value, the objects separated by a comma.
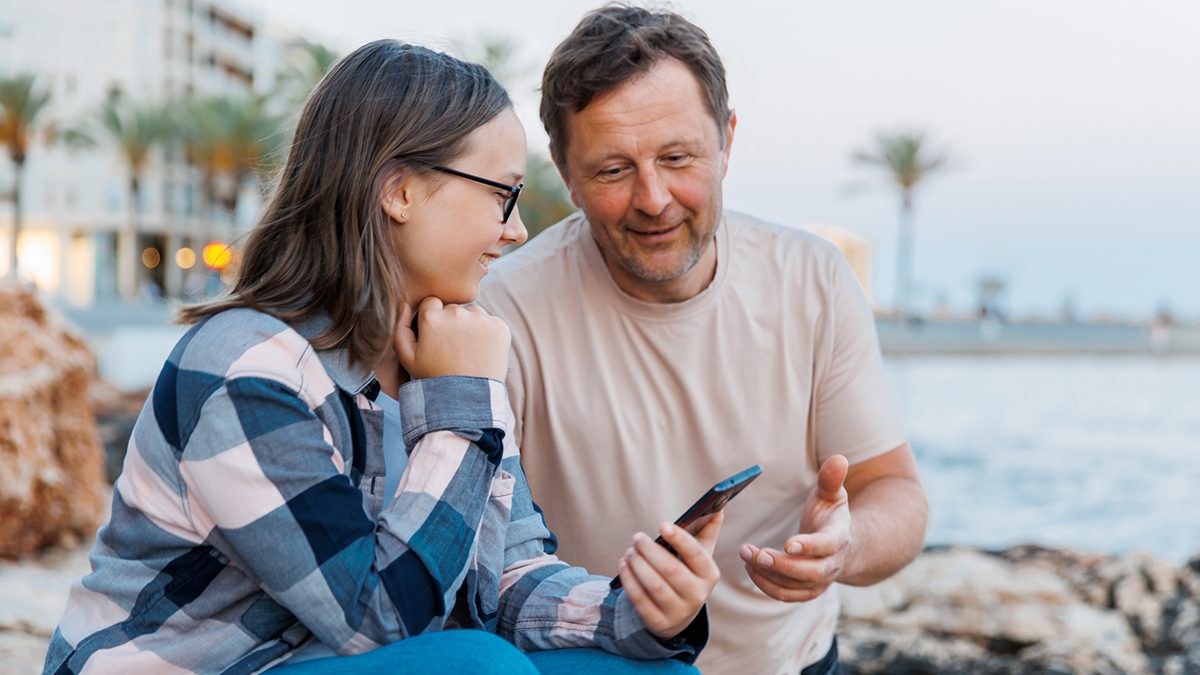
[{"x": 661, "y": 345}]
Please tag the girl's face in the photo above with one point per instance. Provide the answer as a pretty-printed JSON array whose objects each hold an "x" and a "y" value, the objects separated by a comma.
[{"x": 447, "y": 228}]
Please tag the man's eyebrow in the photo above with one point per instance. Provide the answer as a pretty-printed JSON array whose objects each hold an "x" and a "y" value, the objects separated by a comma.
[
  {"x": 593, "y": 164},
  {"x": 674, "y": 145},
  {"x": 513, "y": 178}
]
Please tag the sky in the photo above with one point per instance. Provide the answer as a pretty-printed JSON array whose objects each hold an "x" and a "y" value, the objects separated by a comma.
[{"x": 1073, "y": 128}]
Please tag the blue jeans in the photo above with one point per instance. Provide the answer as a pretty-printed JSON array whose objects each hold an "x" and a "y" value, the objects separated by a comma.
[{"x": 476, "y": 652}]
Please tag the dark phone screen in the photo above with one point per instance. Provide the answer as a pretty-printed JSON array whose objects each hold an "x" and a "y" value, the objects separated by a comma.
[{"x": 699, "y": 514}]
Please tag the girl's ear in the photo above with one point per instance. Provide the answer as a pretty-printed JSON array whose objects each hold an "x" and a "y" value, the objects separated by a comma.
[{"x": 399, "y": 197}]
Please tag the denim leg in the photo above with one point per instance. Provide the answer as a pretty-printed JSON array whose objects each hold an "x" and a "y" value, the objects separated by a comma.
[
  {"x": 596, "y": 662},
  {"x": 451, "y": 652},
  {"x": 829, "y": 664}
]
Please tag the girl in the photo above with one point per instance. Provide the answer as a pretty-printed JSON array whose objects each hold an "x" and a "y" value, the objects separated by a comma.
[{"x": 311, "y": 478}]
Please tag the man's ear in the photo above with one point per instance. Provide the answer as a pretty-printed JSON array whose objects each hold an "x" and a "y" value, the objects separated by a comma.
[
  {"x": 728, "y": 142},
  {"x": 399, "y": 197},
  {"x": 562, "y": 173}
]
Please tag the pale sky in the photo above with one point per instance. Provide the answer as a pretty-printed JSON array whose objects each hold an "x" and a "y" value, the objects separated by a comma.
[{"x": 1075, "y": 127}]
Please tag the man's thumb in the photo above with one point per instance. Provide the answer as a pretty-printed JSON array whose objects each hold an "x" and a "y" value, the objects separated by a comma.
[{"x": 831, "y": 478}]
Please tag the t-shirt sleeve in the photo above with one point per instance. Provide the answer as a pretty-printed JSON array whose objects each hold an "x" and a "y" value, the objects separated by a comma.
[
  {"x": 497, "y": 300},
  {"x": 855, "y": 412}
]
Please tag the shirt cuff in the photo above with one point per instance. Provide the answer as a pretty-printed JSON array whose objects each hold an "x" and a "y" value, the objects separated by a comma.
[
  {"x": 685, "y": 647},
  {"x": 453, "y": 402}
]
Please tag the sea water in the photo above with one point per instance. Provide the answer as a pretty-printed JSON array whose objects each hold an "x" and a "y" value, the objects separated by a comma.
[{"x": 1094, "y": 454}]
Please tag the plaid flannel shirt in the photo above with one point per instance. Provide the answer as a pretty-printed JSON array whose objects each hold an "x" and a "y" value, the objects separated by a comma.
[{"x": 250, "y": 520}]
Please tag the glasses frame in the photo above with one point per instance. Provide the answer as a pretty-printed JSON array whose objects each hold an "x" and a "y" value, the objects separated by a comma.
[{"x": 510, "y": 204}]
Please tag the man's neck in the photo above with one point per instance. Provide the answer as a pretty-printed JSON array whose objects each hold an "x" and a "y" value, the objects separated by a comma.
[{"x": 683, "y": 287}]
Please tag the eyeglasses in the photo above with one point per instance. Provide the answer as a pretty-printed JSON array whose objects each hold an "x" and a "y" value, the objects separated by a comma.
[{"x": 509, "y": 204}]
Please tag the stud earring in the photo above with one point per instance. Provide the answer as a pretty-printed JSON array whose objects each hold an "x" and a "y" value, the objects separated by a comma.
[{"x": 403, "y": 215}]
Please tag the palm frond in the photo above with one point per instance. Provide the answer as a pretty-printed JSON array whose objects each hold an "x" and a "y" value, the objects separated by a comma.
[
  {"x": 20, "y": 106},
  {"x": 904, "y": 156}
]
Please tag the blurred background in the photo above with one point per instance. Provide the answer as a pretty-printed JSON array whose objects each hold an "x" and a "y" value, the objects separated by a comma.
[{"x": 1016, "y": 184}]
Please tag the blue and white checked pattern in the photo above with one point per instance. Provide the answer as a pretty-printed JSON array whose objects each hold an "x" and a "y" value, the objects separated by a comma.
[{"x": 250, "y": 520}]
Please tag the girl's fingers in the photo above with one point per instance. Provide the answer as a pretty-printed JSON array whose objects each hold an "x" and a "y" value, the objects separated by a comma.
[
  {"x": 656, "y": 586},
  {"x": 405, "y": 340},
  {"x": 694, "y": 552},
  {"x": 650, "y": 613}
]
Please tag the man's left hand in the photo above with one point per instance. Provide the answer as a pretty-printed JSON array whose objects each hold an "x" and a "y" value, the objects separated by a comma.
[{"x": 816, "y": 556}]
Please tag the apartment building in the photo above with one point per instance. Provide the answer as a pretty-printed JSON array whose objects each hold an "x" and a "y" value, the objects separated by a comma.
[{"x": 83, "y": 237}]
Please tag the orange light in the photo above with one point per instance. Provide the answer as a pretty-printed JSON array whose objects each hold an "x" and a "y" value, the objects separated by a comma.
[
  {"x": 217, "y": 255},
  {"x": 151, "y": 258}
]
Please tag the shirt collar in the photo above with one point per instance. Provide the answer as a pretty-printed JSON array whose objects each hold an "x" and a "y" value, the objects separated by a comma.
[{"x": 354, "y": 379}]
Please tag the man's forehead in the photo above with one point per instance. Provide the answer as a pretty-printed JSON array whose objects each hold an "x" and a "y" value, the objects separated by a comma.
[{"x": 668, "y": 97}]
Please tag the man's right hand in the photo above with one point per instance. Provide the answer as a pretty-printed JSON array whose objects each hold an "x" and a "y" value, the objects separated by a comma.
[{"x": 455, "y": 340}]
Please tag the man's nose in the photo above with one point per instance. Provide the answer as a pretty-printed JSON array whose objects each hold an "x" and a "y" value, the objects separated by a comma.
[{"x": 650, "y": 193}]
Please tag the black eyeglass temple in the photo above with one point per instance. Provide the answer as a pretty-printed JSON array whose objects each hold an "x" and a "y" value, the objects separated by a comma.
[{"x": 477, "y": 179}]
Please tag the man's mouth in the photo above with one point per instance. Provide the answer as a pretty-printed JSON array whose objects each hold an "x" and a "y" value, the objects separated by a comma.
[
  {"x": 655, "y": 232},
  {"x": 485, "y": 260}
]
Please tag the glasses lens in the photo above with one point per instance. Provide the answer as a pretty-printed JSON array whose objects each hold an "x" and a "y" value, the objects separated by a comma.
[{"x": 511, "y": 202}]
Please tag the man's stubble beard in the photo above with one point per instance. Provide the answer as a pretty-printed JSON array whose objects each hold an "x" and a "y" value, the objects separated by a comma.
[{"x": 636, "y": 266}]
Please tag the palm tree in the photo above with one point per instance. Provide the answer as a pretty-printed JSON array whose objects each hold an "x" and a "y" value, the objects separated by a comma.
[
  {"x": 134, "y": 130},
  {"x": 19, "y": 108},
  {"x": 295, "y": 82},
  {"x": 233, "y": 138},
  {"x": 905, "y": 157}
]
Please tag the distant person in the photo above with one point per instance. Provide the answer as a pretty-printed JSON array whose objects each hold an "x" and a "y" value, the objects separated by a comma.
[
  {"x": 312, "y": 479},
  {"x": 661, "y": 344}
]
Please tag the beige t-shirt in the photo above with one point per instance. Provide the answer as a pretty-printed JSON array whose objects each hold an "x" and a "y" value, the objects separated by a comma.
[{"x": 628, "y": 411}]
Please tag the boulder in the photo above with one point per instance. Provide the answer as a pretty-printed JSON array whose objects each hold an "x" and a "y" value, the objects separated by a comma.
[
  {"x": 51, "y": 461},
  {"x": 968, "y": 611}
]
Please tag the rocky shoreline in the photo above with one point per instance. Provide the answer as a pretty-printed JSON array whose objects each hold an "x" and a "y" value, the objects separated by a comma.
[
  {"x": 955, "y": 611},
  {"x": 1026, "y": 610}
]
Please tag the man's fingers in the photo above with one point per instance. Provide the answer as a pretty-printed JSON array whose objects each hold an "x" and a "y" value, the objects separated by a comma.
[
  {"x": 831, "y": 478},
  {"x": 782, "y": 593},
  {"x": 788, "y": 571},
  {"x": 816, "y": 545}
]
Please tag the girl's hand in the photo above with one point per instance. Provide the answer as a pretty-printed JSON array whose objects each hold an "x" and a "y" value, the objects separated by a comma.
[
  {"x": 668, "y": 592},
  {"x": 455, "y": 340}
]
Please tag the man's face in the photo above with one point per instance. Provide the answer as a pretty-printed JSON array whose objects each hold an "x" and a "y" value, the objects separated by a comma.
[{"x": 645, "y": 163}]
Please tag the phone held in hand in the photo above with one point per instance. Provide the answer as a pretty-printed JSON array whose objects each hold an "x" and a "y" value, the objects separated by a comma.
[{"x": 697, "y": 516}]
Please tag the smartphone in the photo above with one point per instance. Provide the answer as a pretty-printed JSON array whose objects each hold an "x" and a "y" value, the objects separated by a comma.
[{"x": 695, "y": 518}]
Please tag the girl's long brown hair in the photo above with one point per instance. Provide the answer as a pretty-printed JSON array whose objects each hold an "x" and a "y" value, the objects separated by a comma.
[{"x": 323, "y": 243}]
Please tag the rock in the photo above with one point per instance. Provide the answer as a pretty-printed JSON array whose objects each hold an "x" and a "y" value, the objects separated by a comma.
[
  {"x": 967, "y": 611},
  {"x": 51, "y": 478}
]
